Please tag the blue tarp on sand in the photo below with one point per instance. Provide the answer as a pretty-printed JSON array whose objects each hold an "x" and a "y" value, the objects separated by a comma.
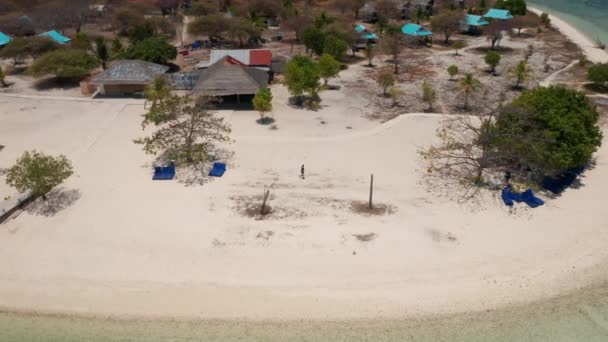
[
  {"x": 218, "y": 170},
  {"x": 164, "y": 172},
  {"x": 509, "y": 197}
]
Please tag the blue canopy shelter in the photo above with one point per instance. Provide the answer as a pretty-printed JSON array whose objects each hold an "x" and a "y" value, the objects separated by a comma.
[
  {"x": 416, "y": 30},
  {"x": 4, "y": 39},
  {"x": 498, "y": 14},
  {"x": 56, "y": 36},
  {"x": 472, "y": 22},
  {"x": 365, "y": 37}
]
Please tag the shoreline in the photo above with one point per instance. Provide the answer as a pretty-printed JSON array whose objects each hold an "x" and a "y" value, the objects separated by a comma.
[{"x": 586, "y": 43}]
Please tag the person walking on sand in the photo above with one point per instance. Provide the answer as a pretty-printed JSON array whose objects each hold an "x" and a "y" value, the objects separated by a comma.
[{"x": 302, "y": 172}]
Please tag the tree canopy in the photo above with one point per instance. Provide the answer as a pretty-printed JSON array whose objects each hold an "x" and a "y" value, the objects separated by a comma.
[
  {"x": 548, "y": 131},
  {"x": 154, "y": 49},
  {"x": 329, "y": 67},
  {"x": 38, "y": 173},
  {"x": 447, "y": 23},
  {"x": 64, "y": 63},
  {"x": 184, "y": 127},
  {"x": 302, "y": 76},
  {"x": 492, "y": 59},
  {"x": 22, "y": 47},
  {"x": 598, "y": 74},
  {"x": 516, "y": 7},
  {"x": 262, "y": 102}
]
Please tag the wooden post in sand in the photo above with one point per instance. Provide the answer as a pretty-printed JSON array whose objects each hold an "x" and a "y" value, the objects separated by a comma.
[
  {"x": 263, "y": 208},
  {"x": 371, "y": 191}
]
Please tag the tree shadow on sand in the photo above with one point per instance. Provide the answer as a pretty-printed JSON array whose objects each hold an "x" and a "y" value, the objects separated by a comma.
[{"x": 57, "y": 200}]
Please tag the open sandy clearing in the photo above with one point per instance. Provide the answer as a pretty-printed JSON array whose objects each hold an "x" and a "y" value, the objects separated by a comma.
[{"x": 121, "y": 244}]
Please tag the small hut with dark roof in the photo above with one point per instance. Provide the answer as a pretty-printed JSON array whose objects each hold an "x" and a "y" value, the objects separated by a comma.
[
  {"x": 128, "y": 77},
  {"x": 231, "y": 80}
]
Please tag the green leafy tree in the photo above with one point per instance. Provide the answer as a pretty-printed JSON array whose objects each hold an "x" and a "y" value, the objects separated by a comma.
[
  {"x": 516, "y": 7},
  {"x": 395, "y": 93},
  {"x": 335, "y": 46},
  {"x": 385, "y": 79},
  {"x": 64, "y": 63},
  {"x": 184, "y": 128},
  {"x": 329, "y": 67},
  {"x": 117, "y": 50},
  {"x": 545, "y": 19},
  {"x": 313, "y": 39},
  {"x": 23, "y": 47},
  {"x": 262, "y": 102},
  {"x": 468, "y": 86},
  {"x": 548, "y": 131},
  {"x": 81, "y": 41},
  {"x": 429, "y": 95},
  {"x": 3, "y": 78},
  {"x": 101, "y": 51},
  {"x": 155, "y": 50},
  {"x": 521, "y": 72},
  {"x": 598, "y": 74},
  {"x": 158, "y": 90},
  {"x": 492, "y": 59},
  {"x": 458, "y": 45},
  {"x": 302, "y": 77},
  {"x": 38, "y": 173},
  {"x": 141, "y": 31},
  {"x": 453, "y": 71}
]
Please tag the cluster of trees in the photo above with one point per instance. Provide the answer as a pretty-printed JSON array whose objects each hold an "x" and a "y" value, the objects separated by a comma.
[
  {"x": 303, "y": 76},
  {"x": 544, "y": 132}
]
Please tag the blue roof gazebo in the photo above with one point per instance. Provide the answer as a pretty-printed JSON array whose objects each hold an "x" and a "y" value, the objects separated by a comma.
[
  {"x": 472, "y": 23},
  {"x": 416, "y": 30},
  {"x": 365, "y": 33},
  {"x": 475, "y": 20},
  {"x": 499, "y": 14},
  {"x": 56, "y": 36},
  {"x": 4, "y": 39}
]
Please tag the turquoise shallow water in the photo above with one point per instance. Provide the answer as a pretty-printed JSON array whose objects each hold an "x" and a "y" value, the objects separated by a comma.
[
  {"x": 580, "y": 317},
  {"x": 589, "y": 16}
]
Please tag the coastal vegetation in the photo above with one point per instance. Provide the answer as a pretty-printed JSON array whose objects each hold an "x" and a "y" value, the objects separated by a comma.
[{"x": 38, "y": 173}]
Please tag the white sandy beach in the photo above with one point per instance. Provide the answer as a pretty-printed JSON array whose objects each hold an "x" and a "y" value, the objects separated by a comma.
[
  {"x": 594, "y": 54},
  {"x": 119, "y": 244},
  {"x": 124, "y": 245}
]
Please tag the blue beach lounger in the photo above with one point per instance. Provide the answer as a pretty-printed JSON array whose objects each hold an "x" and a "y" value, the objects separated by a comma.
[
  {"x": 218, "y": 170},
  {"x": 164, "y": 172}
]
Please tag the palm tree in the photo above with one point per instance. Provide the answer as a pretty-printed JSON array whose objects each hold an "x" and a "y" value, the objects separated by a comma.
[
  {"x": 521, "y": 72},
  {"x": 468, "y": 85}
]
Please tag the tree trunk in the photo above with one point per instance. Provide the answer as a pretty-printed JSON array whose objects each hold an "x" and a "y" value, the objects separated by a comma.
[
  {"x": 396, "y": 71},
  {"x": 263, "y": 209},
  {"x": 371, "y": 191}
]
